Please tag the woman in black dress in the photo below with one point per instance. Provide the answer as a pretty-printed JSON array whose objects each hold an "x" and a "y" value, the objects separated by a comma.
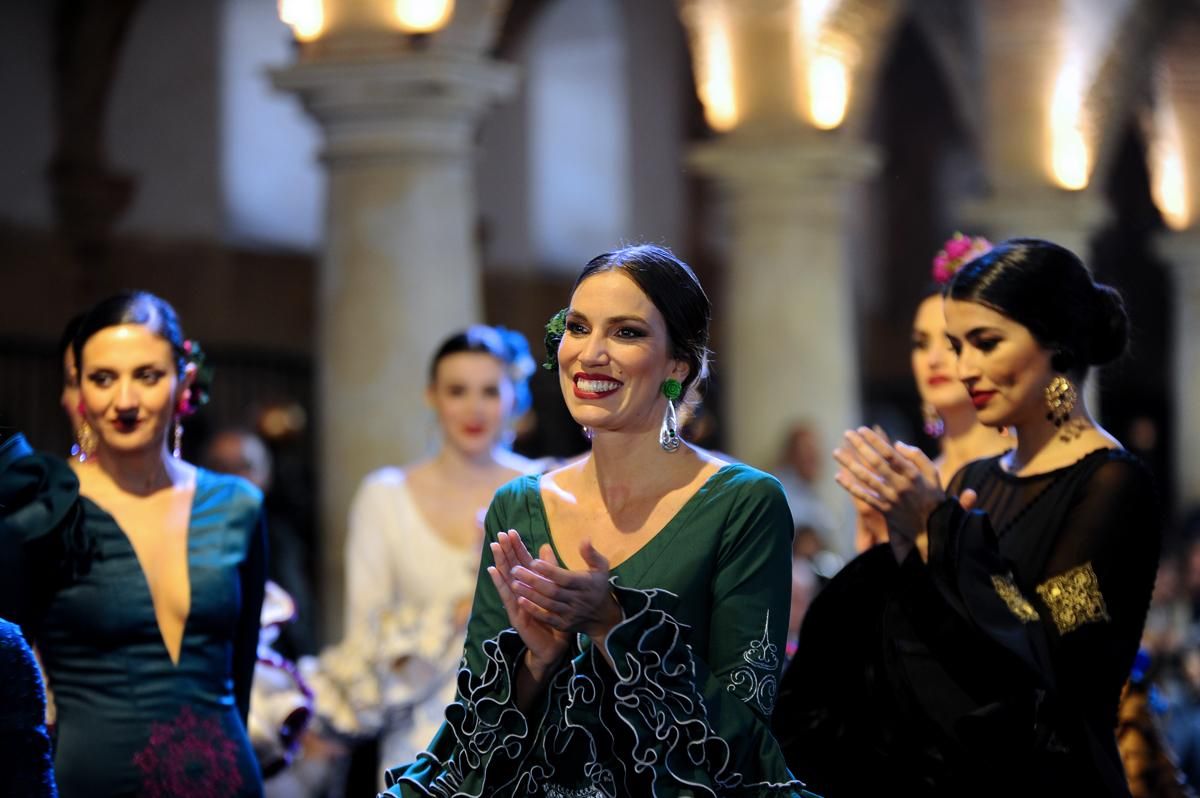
[{"x": 993, "y": 664}]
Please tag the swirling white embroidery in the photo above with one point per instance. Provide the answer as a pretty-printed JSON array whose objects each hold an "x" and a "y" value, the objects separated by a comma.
[
  {"x": 758, "y": 675},
  {"x": 653, "y": 696}
]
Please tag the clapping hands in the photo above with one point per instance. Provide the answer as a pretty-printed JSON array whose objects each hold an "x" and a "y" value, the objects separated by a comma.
[
  {"x": 546, "y": 603},
  {"x": 897, "y": 480}
]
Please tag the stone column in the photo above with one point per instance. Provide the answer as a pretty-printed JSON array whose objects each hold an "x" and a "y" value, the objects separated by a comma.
[
  {"x": 1182, "y": 252},
  {"x": 1025, "y": 45},
  {"x": 400, "y": 268},
  {"x": 1181, "y": 249},
  {"x": 1068, "y": 218},
  {"x": 790, "y": 334}
]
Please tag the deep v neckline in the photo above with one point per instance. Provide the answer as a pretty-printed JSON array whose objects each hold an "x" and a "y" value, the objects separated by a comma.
[
  {"x": 187, "y": 550},
  {"x": 663, "y": 534}
]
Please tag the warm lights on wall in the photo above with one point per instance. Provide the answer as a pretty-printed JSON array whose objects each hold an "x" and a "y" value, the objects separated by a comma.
[
  {"x": 423, "y": 16},
  {"x": 710, "y": 28},
  {"x": 1070, "y": 159},
  {"x": 821, "y": 70},
  {"x": 823, "y": 89},
  {"x": 1168, "y": 184},
  {"x": 305, "y": 17},
  {"x": 828, "y": 90}
]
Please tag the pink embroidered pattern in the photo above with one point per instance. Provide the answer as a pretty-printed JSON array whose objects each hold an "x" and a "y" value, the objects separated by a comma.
[{"x": 189, "y": 757}]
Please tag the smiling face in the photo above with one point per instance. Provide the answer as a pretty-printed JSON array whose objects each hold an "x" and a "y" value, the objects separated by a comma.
[
  {"x": 472, "y": 397},
  {"x": 615, "y": 355},
  {"x": 130, "y": 387},
  {"x": 1002, "y": 365}
]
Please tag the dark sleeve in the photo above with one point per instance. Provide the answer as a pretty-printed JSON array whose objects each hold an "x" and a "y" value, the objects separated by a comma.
[
  {"x": 1095, "y": 591},
  {"x": 43, "y": 539},
  {"x": 1075, "y": 630},
  {"x": 751, "y": 601},
  {"x": 1089, "y": 603},
  {"x": 25, "y": 752},
  {"x": 832, "y": 713},
  {"x": 253, "y": 575}
]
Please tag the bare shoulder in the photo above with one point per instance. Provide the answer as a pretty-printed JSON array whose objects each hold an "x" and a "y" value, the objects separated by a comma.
[
  {"x": 183, "y": 474},
  {"x": 513, "y": 465},
  {"x": 1099, "y": 438},
  {"x": 564, "y": 480},
  {"x": 712, "y": 461},
  {"x": 1091, "y": 440}
]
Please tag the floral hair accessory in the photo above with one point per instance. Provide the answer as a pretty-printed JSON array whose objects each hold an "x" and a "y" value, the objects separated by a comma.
[
  {"x": 956, "y": 253},
  {"x": 555, "y": 329},
  {"x": 198, "y": 394},
  {"x": 520, "y": 364}
]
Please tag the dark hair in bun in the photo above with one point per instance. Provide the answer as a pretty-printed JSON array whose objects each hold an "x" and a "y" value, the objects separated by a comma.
[
  {"x": 1048, "y": 290},
  {"x": 133, "y": 307},
  {"x": 507, "y": 346}
]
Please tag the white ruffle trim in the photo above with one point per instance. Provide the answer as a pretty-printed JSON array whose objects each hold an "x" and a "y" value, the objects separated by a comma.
[{"x": 644, "y": 718}]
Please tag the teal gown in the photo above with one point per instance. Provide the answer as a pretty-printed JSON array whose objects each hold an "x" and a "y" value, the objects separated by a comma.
[
  {"x": 129, "y": 721},
  {"x": 697, "y": 661}
]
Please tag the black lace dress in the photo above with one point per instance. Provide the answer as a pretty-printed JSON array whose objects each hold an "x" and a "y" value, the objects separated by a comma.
[{"x": 996, "y": 667}]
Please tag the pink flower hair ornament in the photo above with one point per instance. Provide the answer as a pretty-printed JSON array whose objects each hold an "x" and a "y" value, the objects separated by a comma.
[{"x": 956, "y": 253}]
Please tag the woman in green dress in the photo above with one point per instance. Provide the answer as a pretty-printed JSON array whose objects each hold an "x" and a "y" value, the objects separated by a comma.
[
  {"x": 138, "y": 576},
  {"x": 638, "y": 652}
]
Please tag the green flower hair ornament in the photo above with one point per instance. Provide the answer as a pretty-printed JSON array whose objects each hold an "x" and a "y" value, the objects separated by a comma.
[{"x": 556, "y": 328}]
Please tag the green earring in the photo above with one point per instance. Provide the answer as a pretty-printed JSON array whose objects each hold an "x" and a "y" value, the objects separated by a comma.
[{"x": 668, "y": 436}]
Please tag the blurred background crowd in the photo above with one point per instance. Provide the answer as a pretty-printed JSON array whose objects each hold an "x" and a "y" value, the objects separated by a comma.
[{"x": 326, "y": 189}]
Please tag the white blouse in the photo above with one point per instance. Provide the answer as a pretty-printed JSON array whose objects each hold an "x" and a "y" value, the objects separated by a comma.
[{"x": 394, "y": 671}]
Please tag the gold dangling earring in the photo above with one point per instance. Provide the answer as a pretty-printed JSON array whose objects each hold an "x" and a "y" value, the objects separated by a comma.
[
  {"x": 1060, "y": 400},
  {"x": 934, "y": 426},
  {"x": 85, "y": 441},
  {"x": 177, "y": 451}
]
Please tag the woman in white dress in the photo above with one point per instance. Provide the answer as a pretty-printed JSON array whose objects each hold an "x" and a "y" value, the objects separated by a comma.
[{"x": 413, "y": 550}]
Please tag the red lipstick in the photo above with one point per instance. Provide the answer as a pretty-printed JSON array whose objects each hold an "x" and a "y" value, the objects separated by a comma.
[
  {"x": 595, "y": 386},
  {"x": 981, "y": 398},
  {"x": 125, "y": 425}
]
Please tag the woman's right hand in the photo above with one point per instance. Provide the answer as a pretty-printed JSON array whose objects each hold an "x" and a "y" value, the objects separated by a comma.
[{"x": 545, "y": 644}]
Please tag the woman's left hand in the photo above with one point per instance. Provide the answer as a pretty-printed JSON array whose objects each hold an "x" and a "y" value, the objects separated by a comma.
[
  {"x": 571, "y": 601},
  {"x": 898, "y": 481}
]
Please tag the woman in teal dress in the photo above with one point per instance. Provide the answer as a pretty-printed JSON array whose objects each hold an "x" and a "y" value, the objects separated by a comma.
[
  {"x": 138, "y": 577},
  {"x": 637, "y": 654}
]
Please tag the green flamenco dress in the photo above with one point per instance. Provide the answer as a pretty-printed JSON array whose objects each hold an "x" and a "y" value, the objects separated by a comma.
[
  {"x": 130, "y": 721},
  {"x": 685, "y": 710}
]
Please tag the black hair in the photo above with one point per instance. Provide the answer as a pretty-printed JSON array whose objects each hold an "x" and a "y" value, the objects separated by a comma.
[
  {"x": 1047, "y": 289},
  {"x": 133, "y": 307},
  {"x": 507, "y": 346},
  {"x": 674, "y": 289},
  {"x": 65, "y": 344},
  {"x": 67, "y": 339}
]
